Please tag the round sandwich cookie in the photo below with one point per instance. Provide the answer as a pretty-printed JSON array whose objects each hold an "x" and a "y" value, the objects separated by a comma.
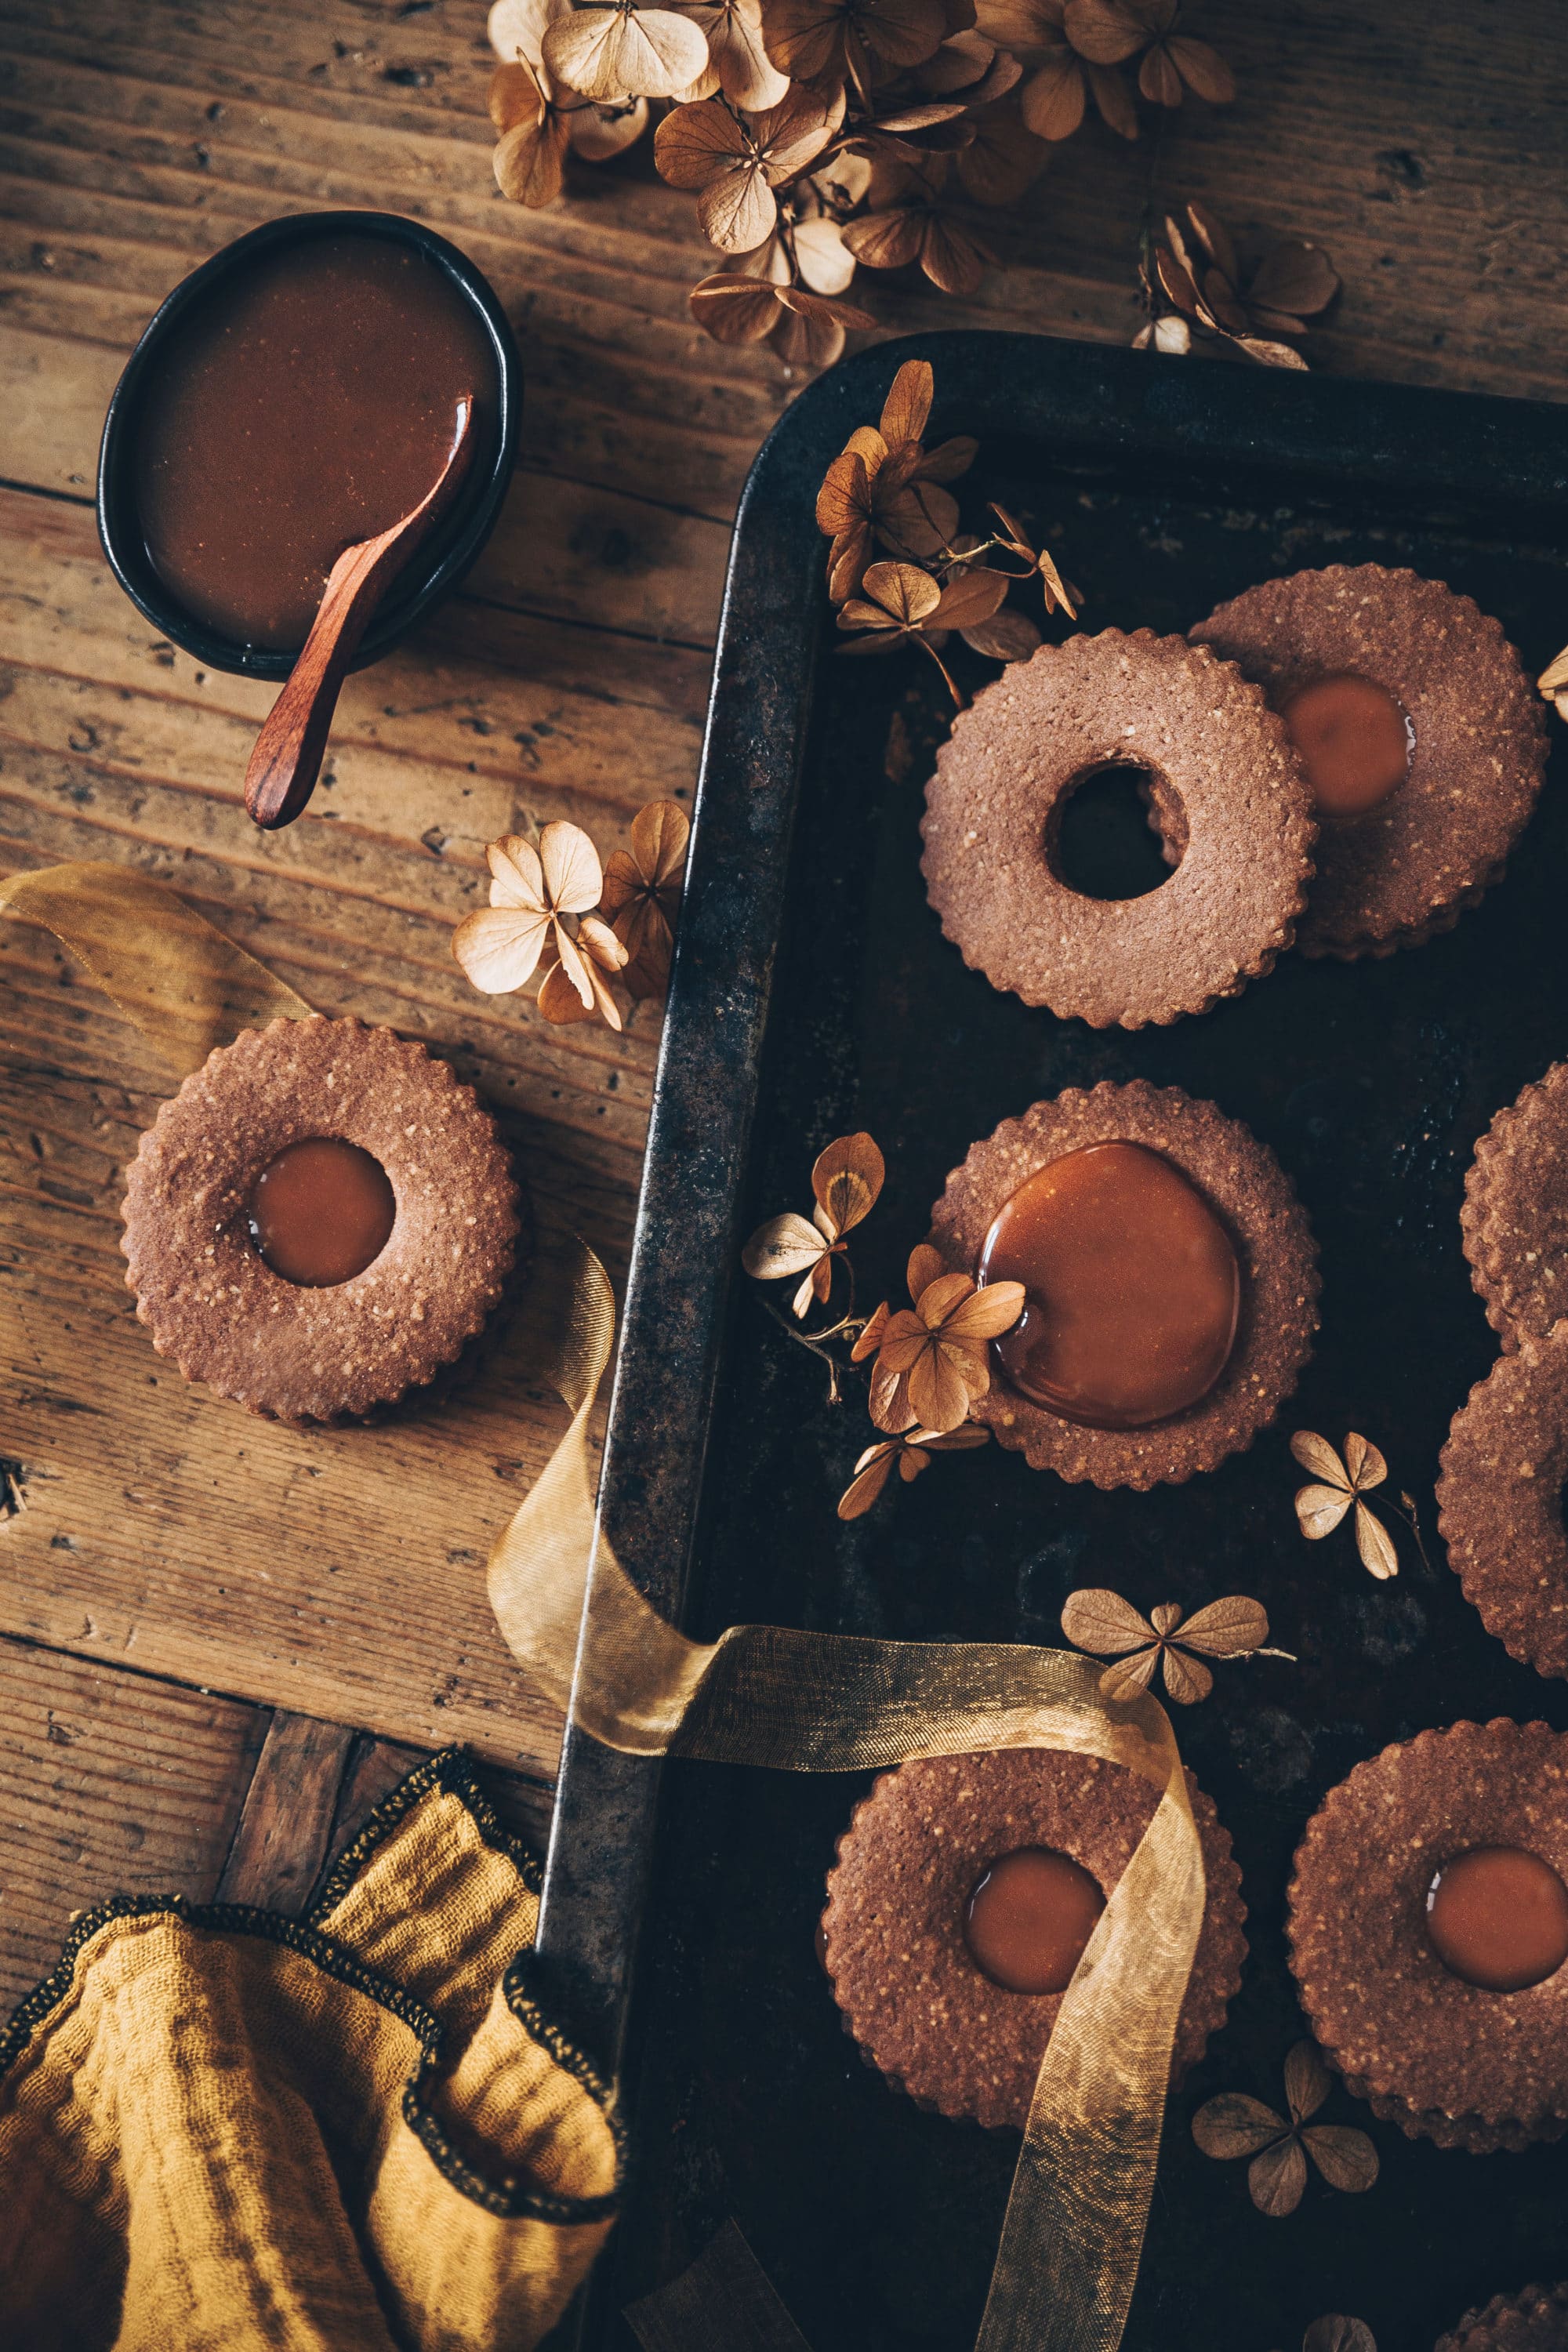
[
  {"x": 966, "y": 1890},
  {"x": 1533, "y": 2320},
  {"x": 1222, "y": 786},
  {"x": 1515, "y": 1215},
  {"x": 1171, "y": 1274},
  {"x": 319, "y": 1220},
  {"x": 1500, "y": 1501},
  {"x": 1428, "y": 1925},
  {"x": 1424, "y": 743}
]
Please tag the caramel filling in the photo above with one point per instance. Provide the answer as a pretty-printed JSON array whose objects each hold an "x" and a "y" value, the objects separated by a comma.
[
  {"x": 1028, "y": 1917},
  {"x": 1498, "y": 1917},
  {"x": 320, "y": 1212},
  {"x": 1354, "y": 739},
  {"x": 1134, "y": 1288}
]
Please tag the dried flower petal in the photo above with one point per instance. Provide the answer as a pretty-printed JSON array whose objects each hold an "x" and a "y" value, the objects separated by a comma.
[
  {"x": 1007, "y": 636},
  {"x": 871, "y": 1335},
  {"x": 1375, "y": 1545},
  {"x": 846, "y": 1179},
  {"x": 641, "y": 894},
  {"x": 783, "y": 1246},
  {"x": 1186, "y": 1679},
  {"x": 1103, "y": 1623},
  {"x": 1316, "y": 1455},
  {"x": 499, "y": 947},
  {"x": 872, "y": 1474},
  {"x": 1277, "y": 2176},
  {"x": 1345, "y": 2157},
  {"x": 1335, "y": 2333},
  {"x": 1129, "y": 1676},
  {"x": 1363, "y": 1463},
  {"x": 624, "y": 50},
  {"x": 1234, "y": 2126},
  {"x": 1306, "y": 2081},
  {"x": 1231, "y": 1627}
]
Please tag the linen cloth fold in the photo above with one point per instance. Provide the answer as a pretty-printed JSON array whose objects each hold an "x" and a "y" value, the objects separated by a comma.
[{"x": 356, "y": 2132}]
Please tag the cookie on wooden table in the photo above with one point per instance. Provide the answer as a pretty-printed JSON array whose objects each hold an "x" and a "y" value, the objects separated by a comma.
[{"x": 319, "y": 1220}]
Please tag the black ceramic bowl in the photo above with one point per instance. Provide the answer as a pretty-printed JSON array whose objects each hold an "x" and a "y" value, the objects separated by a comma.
[{"x": 434, "y": 569}]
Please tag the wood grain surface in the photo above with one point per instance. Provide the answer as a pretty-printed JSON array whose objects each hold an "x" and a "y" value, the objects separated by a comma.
[{"x": 338, "y": 1576}]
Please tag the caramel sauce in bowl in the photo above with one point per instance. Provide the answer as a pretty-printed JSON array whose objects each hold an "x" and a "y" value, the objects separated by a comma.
[{"x": 283, "y": 394}]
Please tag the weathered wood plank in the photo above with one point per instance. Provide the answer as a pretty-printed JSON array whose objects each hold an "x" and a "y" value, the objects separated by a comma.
[
  {"x": 289, "y": 1807},
  {"x": 110, "y": 1784},
  {"x": 340, "y": 1571}
]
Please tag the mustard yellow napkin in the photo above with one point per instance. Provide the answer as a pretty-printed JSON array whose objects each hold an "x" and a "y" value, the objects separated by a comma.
[{"x": 220, "y": 2128}]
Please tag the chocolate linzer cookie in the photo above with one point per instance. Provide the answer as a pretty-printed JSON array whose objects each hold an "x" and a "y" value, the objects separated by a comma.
[
  {"x": 1500, "y": 1501},
  {"x": 1515, "y": 1217},
  {"x": 1533, "y": 2320},
  {"x": 966, "y": 1889},
  {"x": 1428, "y": 1922},
  {"x": 319, "y": 1220},
  {"x": 1172, "y": 1280},
  {"x": 1225, "y": 790},
  {"x": 1424, "y": 743}
]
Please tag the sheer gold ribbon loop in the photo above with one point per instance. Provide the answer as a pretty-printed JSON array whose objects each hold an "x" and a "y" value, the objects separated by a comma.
[{"x": 794, "y": 1701}]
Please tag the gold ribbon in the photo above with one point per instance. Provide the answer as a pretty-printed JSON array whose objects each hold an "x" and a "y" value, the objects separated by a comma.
[
  {"x": 794, "y": 1701},
  {"x": 831, "y": 1703}
]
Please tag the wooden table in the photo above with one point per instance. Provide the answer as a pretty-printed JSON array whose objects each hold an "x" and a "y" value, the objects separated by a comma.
[{"x": 220, "y": 1640}]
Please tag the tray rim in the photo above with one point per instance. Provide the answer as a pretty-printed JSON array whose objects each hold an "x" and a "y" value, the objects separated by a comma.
[{"x": 1094, "y": 403}]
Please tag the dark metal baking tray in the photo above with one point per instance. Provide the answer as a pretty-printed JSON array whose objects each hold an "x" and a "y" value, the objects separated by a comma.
[{"x": 813, "y": 993}]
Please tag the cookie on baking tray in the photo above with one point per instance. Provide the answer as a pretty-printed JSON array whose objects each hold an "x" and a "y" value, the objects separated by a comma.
[
  {"x": 1172, "y": 1279},
  {"x": 1225, "y": 790},
  {"x": 1500, "y": 1501},
  {"x": 1428, "y": 1926},
  {"x": 1515, "y": 1213},
  {"x": 1423, "y": 742},
  {"x": 1533, "y": 2320},
  {"x": 319, "y": 1220},
  {"x": 964, "y": 1892}
]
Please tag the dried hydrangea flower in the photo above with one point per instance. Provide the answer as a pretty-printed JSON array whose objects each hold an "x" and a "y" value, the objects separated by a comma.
[
  {"x": 1341, "y": 1487},
  {"x": 540, "y": 919},
  {"x": 846, "y": 1180},
  {"x": 932, "y": 1363},
  {"x": 912, "y": 1451},
  {"x": 735, "y": 164},
  {"x": 1280, "y": 2145},
  {"x": 641, "y": 896},
  {"x": 1105, "y": 1625}
]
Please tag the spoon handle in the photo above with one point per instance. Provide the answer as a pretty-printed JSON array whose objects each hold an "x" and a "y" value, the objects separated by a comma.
[{"x": 287, "y": 756}]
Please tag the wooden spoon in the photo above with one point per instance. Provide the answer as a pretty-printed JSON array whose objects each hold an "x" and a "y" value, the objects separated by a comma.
[{"x": 287, "y": 759}]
